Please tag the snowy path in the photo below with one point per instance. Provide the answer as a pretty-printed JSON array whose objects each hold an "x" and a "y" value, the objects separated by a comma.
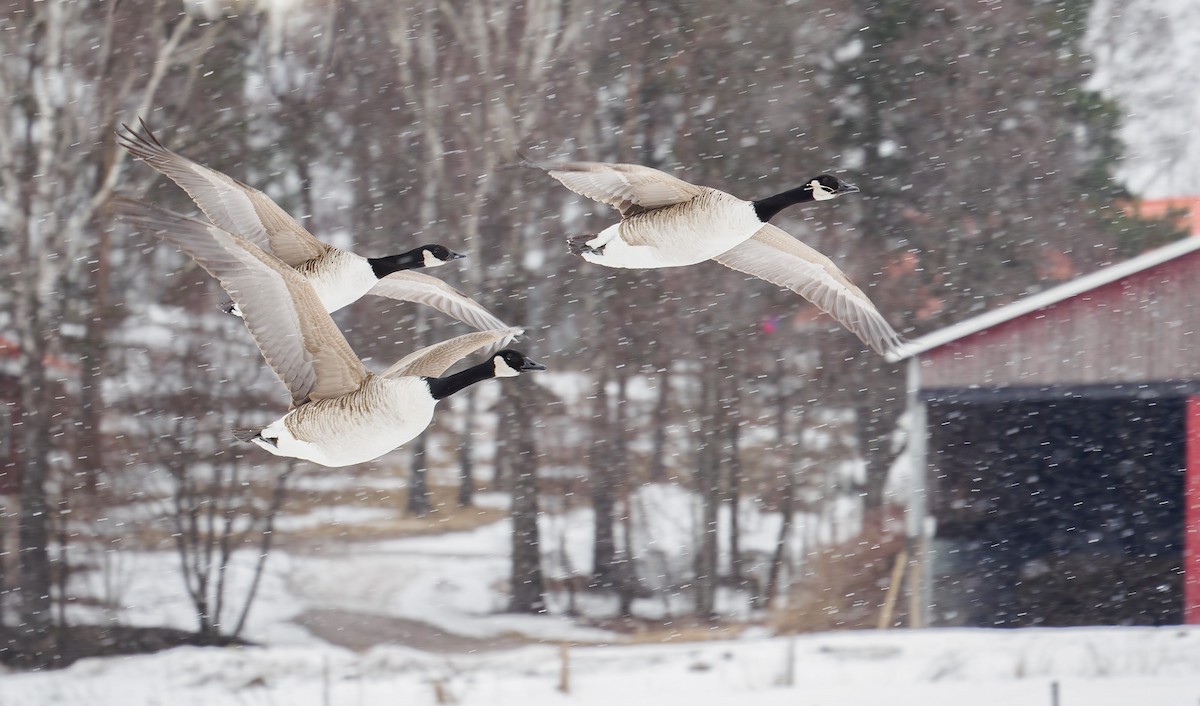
[{"x": 360, "y": 631}]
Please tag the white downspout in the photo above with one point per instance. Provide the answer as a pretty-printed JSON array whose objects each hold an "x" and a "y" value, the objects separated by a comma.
[{"x": 920, "y": 591}]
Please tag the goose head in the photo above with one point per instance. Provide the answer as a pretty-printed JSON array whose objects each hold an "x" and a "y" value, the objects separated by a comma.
[
  {"x": 510, "y": 363},
  {"x": 432, "y": 255},
  {"x": 827, "y": 186},
  {"x": 819, "y": 188},
  {"x": 504, "y": 364}
]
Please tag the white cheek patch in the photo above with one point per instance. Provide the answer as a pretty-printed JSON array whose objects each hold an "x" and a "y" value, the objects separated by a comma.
[
  {"x": 503, "y": 369},
  {"x": 820, "y": 192},
  {"x": 431, "y": 260}
]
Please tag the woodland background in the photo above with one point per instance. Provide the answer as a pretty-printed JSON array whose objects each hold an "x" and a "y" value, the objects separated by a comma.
[{"x": 986, "y": 165}]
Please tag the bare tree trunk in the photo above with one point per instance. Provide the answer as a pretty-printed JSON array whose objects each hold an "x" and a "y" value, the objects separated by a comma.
[
  {"x": 737, "y": 571},
  {"x": 418, "y": 504},
  {"x": 787, "y": 498},
  {"x": 466, "y": 466},
  {"x": 708, "y": 487},
  {"x": 528, "y": 591},
  {"x": 62, "y": 541},
  {"x": 4, "y": 553},
  {"x": 625, "y": 573},
  {"x": 603, "y": 485},
  {"x": 779, "y": 555},
  {"x": 33, "y": 519},
  {"x": 627, "y": 582},
  {"x": 658, "y": 452}
]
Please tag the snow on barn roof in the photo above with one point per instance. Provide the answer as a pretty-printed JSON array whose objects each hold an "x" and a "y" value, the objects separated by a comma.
[{"x": 1041, "y": 300}]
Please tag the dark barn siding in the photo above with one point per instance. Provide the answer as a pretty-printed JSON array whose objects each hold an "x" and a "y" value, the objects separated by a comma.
[{"x": 1057, "y": 512}]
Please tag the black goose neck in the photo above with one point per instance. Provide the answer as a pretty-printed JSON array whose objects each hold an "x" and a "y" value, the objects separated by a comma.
[
  {"x": 767, "y": 208},
  {"x": 443, "y": 387},
  {"x": 386, "y": 265}
]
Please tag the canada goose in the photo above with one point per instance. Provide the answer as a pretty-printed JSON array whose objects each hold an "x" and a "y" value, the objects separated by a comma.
[
  {"x": 341, "y": 413},
  {"x": 667, "y": 222},
  {"x": 338, "y": 276}
]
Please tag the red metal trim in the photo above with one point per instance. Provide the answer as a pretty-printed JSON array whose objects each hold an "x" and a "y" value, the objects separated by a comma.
[{"x": 1191, "y": 518}]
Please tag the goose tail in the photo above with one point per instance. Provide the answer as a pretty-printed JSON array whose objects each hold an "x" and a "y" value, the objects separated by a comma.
[
  {"x": 246, "y": 436},
  {"x": 229, "y": 306},
  {"x": 579, "y": 245}
]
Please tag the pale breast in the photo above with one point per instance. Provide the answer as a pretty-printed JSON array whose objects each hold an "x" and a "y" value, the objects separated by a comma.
[
  {"x": 364, "y": 424},
  {"x": 340, "y": 278}
]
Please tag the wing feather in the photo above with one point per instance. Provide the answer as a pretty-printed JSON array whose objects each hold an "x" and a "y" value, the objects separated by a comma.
[
  {"x": 629, "y": 188},
  {"x": 227, "y": 202},
  {"x": 410, "y": 286},
  {"x": 434, "y": 360},
  {"x": 779, "y": 258},
  {"x": 297, "y": 338}
]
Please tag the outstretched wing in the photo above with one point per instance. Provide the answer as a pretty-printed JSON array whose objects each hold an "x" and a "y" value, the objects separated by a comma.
[
  {"x": 779, "y": 258},
  {"x": 226, "y": 201},
  {"x": 296, "y": 336},
  {"x": 434, "y": 360},
  {"x": 409, "y": 286},
  {"x": 629, "y": 188}
]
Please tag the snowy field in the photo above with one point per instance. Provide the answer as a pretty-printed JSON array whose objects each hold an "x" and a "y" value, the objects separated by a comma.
[
  {"x": 455, "y": 581},
  {"x": 1093, "y": 666}
]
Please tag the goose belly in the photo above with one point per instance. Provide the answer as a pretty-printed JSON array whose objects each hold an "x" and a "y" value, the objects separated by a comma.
[
  {"x": 354, "y": 429},
  {"x": 677, "y": 236},
  {"x": 340, "y": 279}
]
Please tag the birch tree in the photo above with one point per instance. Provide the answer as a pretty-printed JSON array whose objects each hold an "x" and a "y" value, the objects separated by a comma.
[
  {"x": 480, "y": 79},
  {"x": 69, "y": 71}
]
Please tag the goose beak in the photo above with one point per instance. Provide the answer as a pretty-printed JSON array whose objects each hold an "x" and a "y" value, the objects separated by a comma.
[
  {"x": 529, "y": 364},
  {"x": 460, "y": 256},
  {"x": 846, "y": 188}
]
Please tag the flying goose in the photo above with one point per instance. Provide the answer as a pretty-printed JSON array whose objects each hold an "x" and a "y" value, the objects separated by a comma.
[
  {"x": 667, "y": 222},
  {"x": 341, "y": 413},
  {"x": 338, "y": 276}
]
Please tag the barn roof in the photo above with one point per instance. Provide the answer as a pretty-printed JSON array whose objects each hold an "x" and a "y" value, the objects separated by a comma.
[{"x": 1049, "y": 297}]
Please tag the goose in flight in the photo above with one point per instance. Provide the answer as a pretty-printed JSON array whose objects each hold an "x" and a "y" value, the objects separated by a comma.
[
  {"x": 338, "y": 276},
  {"x": 668, "y": 222},
  {"x": 341, "y": 414}
]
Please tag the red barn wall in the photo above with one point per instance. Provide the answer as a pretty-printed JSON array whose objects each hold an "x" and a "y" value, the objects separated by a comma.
[{"x": 1142, "y": 328}]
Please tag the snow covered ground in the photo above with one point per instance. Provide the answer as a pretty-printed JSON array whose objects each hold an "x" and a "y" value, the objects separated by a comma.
[
  {"x": 455, "y": 581},
  {"x": 1093, "y": 666}
]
